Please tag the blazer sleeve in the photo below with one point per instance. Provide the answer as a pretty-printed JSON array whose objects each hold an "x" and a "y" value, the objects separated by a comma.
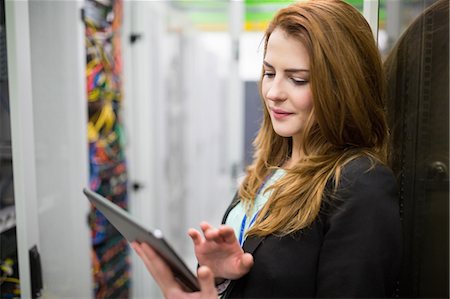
[{"x": 361, "y": 249}]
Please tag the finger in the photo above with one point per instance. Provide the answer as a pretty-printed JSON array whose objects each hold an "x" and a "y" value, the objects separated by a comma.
[
  {"x": 210, "y": 233},
  {"x": 137, "y": 247},
  {"x": 206, "y": 281},
  {"x": 246, "y": 262},
  {"x": 178, "y": 294},
  {"x": 147, "y": 261},
  {"x": 159, "y": 269},
  {"x": 213, "y": 235},
  {"x": 205, "y": 226},
  {"x": 227, "y": 234},
  {"x": 195, "y": 236}
]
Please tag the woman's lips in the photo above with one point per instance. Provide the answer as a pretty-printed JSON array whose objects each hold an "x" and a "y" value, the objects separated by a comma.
[{"x": 280, "y": 114}]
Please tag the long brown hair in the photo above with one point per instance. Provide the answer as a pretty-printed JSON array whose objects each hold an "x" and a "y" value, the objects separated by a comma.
[{"x": 347, "y": 120}]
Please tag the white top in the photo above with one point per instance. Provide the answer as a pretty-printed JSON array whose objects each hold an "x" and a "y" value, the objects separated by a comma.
[{"x": 236, "y": 215}]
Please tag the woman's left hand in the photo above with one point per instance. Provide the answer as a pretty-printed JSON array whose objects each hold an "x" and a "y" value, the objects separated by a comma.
[
  {"x": 170, "y": 288},
  {"x": 219, "y": 249}
]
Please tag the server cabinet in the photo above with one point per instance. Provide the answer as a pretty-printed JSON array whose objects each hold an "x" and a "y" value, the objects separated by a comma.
[
  {"x": 48, "y": 115},
  {"x": 418, "y": 106},
  {"x": 22, "y": 138}
]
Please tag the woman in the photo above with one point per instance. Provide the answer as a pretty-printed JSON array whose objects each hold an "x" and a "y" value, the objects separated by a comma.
[{"x": 317, "y": 214}]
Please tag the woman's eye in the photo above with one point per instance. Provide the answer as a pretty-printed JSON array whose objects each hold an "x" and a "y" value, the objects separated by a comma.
[
  {"x": 297, "y": 81},
  {"x": 269, "y": 74}
]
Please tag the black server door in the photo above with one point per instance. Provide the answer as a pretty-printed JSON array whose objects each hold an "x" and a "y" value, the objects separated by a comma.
[{"x": 418, "y": 107}]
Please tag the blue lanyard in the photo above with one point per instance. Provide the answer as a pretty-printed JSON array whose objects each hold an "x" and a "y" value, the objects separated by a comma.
[{"x": 244, "y": 220}]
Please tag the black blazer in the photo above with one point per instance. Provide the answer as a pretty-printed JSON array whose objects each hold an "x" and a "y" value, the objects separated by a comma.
[{"x": 353, "y": 249}]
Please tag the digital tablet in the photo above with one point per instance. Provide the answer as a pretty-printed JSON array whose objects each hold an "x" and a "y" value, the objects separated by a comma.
[{"x": 133, "y": 231}]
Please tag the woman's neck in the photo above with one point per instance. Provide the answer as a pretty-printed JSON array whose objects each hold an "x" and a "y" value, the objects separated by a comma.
[
  {"x": 293, "y": 159},
  {"x": 296, "y": 154}
]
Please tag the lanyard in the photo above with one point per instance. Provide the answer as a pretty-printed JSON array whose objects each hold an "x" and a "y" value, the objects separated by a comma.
[
  {"x": 241, "y": 232},
  {"x": 244, "y": 220}
]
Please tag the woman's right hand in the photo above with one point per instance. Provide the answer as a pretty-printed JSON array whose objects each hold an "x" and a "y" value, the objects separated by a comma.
[
  {"x": 164, "y": 277},
  {"x": 219, "y": 249}
]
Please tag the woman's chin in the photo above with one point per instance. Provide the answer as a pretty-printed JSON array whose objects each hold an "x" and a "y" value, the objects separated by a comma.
[{"x": 283, "y": 133}]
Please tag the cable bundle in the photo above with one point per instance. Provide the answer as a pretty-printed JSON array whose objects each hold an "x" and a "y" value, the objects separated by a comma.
[{"x": 108, "y": 169}]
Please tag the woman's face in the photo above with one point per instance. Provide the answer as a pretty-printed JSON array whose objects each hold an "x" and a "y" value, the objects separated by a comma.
[{"x": 285, "y": 84}]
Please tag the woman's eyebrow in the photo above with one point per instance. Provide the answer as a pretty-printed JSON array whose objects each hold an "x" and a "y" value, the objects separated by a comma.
[
  {"x": 290, "y": 70},
  {"x": 296, "y": 71},
  {"x": 267, "y": 64}
]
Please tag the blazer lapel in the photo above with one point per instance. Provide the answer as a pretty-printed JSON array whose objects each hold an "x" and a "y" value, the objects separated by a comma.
[
  {"x": 234, "y": 203},
  {"x": 251, "y": 243}
]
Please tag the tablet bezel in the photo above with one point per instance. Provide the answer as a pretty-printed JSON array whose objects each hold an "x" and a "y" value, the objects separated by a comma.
[{"x": 134, "y": 231}]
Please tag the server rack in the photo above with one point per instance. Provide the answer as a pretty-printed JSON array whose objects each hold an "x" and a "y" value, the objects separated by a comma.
[
  {"x": 107, "y": 163},
  {"x": 9, "y": 270},
  {"x": 418, "y": 110}
]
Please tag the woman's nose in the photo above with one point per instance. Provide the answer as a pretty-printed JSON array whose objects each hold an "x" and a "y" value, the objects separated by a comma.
[{"x": 276, "y": 91}]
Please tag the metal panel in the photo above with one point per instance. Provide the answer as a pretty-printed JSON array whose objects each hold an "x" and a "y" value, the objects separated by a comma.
[
  {"x": 370, "y": 11},
  {"x": 418, "y": 107},
  {"x": 22, "y": 141},
  {"x": 60, "y": 138}
]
